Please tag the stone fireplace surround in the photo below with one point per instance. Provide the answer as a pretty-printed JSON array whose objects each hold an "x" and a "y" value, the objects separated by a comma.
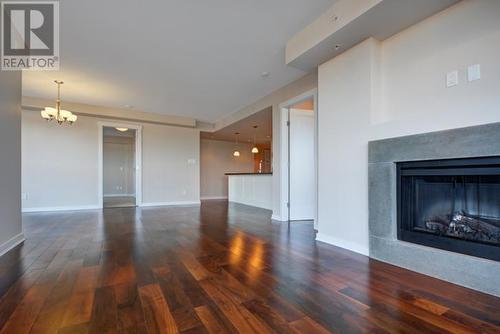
[{"x": 476, "y": 141}]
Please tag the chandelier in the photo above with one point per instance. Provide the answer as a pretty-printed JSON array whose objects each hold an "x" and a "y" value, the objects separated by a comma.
[{"x": 59, "y": 115}]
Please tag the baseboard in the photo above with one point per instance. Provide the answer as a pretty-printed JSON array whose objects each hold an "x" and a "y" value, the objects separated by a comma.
[
  {"x": 119, "y": 195},
  {"x": 342, "y": 244},
  {"x": 208, "y": 198},
  {"x": 278, "y": 218},
  {"x": 62, "y": 208},
  {"x": 11, "y": 243},
  {"x": 252, "y": 205},
  {"x": 182, "y": 203}
]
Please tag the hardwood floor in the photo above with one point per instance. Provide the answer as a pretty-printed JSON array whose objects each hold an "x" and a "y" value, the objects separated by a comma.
[{"x": 215, "y": 269}]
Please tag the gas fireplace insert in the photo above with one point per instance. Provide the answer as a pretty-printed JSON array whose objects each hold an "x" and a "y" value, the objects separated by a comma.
[{"x": 451, "y": 204}]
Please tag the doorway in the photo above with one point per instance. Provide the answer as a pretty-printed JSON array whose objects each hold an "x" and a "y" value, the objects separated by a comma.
[
  {"x": 301, "y": 185},
  {"x": 299, "y": 158},
  {"x": 119, "y": 165}
]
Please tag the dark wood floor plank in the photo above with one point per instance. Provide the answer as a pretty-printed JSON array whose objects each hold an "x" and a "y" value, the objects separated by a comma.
[
  {"x": 75, "y": 329},
  {"x": 406, "y": 312},
  {"x": 178, "y": 302},
  {"x": 267, "y": 314},
  {"x": 307, "y": 326},
  {"x": 156, "y": 312},
  {"x": 24, "y": 316},
  {"x": 79, "y": 308},
  {"x": 10, "y": 301},
  {"x": 130, "y": 314},
  {"x": 104, "y": 312},
  {"x": 52, "y": 313},
  {"x": 210, "y": 321},
  {"x": 239, "y": 316},
  {"x": 218, "y": 268}
]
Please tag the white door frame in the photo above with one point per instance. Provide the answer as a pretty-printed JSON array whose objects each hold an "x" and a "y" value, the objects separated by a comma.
[
  {"x": 284, "y": 151},
  {"x": 138, "y": 159}
]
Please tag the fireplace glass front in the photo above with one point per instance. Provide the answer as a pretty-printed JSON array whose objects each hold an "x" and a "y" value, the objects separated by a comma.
[{"x": 451, "y": 204}]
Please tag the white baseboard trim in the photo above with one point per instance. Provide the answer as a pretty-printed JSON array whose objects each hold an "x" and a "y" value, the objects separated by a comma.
[
  {"x": 208, "y": 198},
  {"x": 62, "y": 208},
  {"x": 278, "y": 218},
  {"x": 252, "y": 205},
  {"x": 11, "y": 243},
  {"x": 342, "y": 244},
  {"x": 182, "y": 203},
  {"x": 119, "y": 195}
]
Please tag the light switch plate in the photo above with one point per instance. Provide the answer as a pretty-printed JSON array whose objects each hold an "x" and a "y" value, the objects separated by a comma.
[
  {"x": 451, "y": 79},
  {"x": 24, "y": 196},
  {"x": 474, "y": 72}
]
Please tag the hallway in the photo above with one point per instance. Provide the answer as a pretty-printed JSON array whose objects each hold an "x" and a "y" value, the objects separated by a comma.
[{"x": 218, "y": 268}]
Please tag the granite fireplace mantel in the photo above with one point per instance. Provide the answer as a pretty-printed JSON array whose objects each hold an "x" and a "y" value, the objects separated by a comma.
[{"x": 469, "y": 271}]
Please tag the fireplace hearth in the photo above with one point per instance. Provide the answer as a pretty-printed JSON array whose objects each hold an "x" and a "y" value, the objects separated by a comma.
[{"x": 451, "y": 204}]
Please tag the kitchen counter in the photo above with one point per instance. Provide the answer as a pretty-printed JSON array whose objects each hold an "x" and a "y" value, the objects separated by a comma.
[
  {"x": 249, "y": 173},
  {"x": 254, "y": 189}
]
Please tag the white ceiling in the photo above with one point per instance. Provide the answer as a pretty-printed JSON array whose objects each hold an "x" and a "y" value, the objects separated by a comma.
[
  {"x": 245, "y": 127},
  {"x": 200, "y": 59}
]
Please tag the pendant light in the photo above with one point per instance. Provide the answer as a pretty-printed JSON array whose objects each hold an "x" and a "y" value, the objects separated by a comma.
[
  {"x": 59, "y": 115},
  {"x": 236, "y": 152},
  {"x": 255, "y": 149}
]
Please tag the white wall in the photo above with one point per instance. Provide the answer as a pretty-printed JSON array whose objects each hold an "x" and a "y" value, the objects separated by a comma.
[
  {"x": 415, "y": 63},
  {"x": 345, "y": 104},
  {"x": 10, "y": 163},
  {"x": 60, "y": 168},
  {"x": 397, "y": 87},
  {"x": 171, "y": 167},
  {"x": 216, "y": 159},
  {"x": 118, "y": 166},
  {"x": 59, "y": 163}
]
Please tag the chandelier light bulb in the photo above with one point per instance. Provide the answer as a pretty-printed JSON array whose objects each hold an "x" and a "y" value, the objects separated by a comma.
[
  {"x": 45, "y": 115},
  {"x": 72, "y": 119}
]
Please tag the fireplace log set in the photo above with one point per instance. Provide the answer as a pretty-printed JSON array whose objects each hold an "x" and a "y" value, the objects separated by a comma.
[{"x": 466, "y": 226}]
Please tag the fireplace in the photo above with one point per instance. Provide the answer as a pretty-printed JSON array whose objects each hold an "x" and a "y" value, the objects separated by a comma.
[{"x": 451, "y": 204}]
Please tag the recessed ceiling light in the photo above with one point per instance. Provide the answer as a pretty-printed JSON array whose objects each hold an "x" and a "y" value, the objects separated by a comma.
[{"x": 265, "y": 74}]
